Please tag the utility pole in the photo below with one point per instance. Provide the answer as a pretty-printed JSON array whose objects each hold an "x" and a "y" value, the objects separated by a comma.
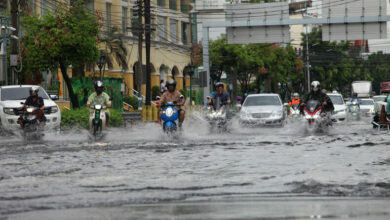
[
  {"x": 147, "y": 45},
  {"x": 307, "y": 55},
  {"x": 140, "y": 32},
  {"x": 14, "y": 42}
]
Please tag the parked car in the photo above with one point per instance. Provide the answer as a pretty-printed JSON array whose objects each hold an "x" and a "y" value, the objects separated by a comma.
[
  {"x": 340, "y": 108},
  {"x": 12, "y": 96},
  {"x": 263, "y": 109},
  {"x": 367, "y": 107}
]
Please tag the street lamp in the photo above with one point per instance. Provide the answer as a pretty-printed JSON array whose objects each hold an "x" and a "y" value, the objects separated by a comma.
[{"x": 100, "y": 64}]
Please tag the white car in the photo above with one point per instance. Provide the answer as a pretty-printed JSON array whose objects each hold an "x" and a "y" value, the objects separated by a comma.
[
  {"x": 367, "y": 107},
  {"x": 263, "y": 109},
  {"x": 12, "y": 96},
  {"x": 340, "y": 108}
]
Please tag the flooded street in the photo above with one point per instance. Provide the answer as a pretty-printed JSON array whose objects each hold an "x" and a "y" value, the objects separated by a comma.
[{"x": 250, "y": 173}]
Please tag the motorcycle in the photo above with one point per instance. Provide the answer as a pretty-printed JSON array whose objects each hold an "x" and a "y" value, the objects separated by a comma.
[
  {"x": 216, "y": 115},
  {"x": 97, "y": 121},
  {"x": 316, "y": 117},
  {"x": 294, "y": 111},
  {"x": 30, "y": 117},
  {"x": 353, "y": 111},
  {"x": 170, "y": 117}
]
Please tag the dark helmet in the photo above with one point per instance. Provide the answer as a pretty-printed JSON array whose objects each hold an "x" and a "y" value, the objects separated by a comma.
[
  {"x": 315, "y": 86},
  {"x": 355, "y": 95},
  {"x": 171, "y": 82},
  {"x": 34, "y": 89},
  {"x": 219, "y": 84},
  {"x": 99, "y": 87}
]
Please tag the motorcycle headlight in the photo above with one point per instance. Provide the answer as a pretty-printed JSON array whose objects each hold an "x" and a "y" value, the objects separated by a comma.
[
  {"x": 169, "y": 112},
  {"x": 30, "y": 110},
  {"x": 98, "y": 107},
  {"x": 54, "y": 109},
  {"x": 9, "y": 111}
]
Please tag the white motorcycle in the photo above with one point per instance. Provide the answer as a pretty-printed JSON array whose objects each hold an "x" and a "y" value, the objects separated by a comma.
[{"x": 97, "y": 121}]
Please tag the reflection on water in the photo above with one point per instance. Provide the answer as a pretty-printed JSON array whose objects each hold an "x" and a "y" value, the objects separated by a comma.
[{"x": 141, "y": 165}]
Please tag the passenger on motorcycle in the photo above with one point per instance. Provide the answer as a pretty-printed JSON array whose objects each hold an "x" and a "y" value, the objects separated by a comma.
[
  {"x": 172, "y": 95},
  {"x": 35, "y": 101},
  {"x": 220, "y": 93},
  {"x": 317, "y": 94},
  {"x": 295, "y": 100},
  {"x": 354, "y": 99},
  {"x": 99, "y": 97}
]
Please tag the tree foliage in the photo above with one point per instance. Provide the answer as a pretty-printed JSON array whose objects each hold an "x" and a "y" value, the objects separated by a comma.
[{"x": 67, "y": 37}]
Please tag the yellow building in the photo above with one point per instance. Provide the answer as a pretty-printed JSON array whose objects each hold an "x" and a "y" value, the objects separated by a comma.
[{"x": 170, "y": 40}]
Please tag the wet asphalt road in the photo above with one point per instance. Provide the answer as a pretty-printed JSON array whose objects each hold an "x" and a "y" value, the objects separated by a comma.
[{"x": 248, "y": 173}]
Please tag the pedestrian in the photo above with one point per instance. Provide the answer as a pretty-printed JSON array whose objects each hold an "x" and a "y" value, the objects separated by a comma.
[{"x": 162, "y": 87}]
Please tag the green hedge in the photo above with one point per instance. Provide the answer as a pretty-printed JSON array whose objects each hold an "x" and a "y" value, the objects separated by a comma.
[
  {"x": 80, "y": 118},
  {"x": 132, "y": 100}
]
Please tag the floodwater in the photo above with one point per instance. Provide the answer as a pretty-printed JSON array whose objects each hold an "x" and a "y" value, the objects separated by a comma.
[{"x": 248, "y": 173}]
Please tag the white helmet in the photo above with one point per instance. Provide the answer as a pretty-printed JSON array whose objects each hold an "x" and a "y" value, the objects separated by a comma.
[
  {"x": 315, "y": 86},
  {"x": 295, "y": 95},
  {"x": 34, "y": 89}
]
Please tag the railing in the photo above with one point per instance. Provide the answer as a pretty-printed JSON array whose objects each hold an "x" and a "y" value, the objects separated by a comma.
[{"x": 136, "y": 94}]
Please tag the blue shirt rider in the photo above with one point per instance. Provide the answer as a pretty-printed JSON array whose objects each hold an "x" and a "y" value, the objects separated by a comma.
[{"x": 354, "y": 99}]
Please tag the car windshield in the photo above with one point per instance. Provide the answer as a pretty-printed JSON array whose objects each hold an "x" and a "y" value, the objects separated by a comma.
[
  {"x": 380, "y": 99},
  {"x": 262, "y": 100},
  {"x": 336, "y": 99},
  {"x": 366, "y": 102},
  {"x": 19, "y": 93}
]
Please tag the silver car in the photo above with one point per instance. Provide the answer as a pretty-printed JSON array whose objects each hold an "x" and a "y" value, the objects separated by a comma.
[
  {"x": 367, "y": 107},
  {"x": 263, "y": 109},
  {"x": 340, "y": 109}
]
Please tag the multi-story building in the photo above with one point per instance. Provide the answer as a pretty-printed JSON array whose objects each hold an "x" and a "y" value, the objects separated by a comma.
[{"x": 170, "y": 40}]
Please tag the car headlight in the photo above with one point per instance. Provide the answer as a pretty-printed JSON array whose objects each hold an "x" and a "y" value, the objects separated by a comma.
[
  {"x": 245, "y": 114},
  {"x": 54, "y": 109},
  {"x": 9, "y": 111},
  {"x": 277, "y": 114}
]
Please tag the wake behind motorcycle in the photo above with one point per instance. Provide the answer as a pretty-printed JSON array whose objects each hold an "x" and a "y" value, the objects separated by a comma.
[{"x": 97, "y": 121}]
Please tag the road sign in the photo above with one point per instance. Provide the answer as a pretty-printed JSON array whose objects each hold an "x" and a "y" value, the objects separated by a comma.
[
  {"x": 356, "y": 31},
  {"x": 258, "y": 34}
]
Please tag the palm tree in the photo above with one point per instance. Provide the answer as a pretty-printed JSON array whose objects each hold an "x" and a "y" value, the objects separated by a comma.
[{"x": 115, "y": 48}]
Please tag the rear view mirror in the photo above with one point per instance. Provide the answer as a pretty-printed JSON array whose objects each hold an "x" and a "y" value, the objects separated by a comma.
[{"x": 54, "y": 97}]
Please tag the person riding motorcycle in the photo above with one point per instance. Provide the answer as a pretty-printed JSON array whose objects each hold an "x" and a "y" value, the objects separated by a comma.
[
  {"x": 317, "y": 94},
  {"x": 221, "y": 94},
  {"x": 36, "y": 101},
  {"x": 354, "y": 99},
  {"x": 295, "y": 100},
  {"x": 99, "y": 97},
  {"x": 172, "y": 95}
]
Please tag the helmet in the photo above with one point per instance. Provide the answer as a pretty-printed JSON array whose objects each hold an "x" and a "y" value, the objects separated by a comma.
[
  {"x": 171, "y": 82},
  {"x": 219, "y": 84},
  {"x": 34, "y": 89},
  {"x": 315, "y": 86},
  {"x": 355, "y": 94},
  {"x": 295, "y": 95},
  {"x": 99, "y": 87}
]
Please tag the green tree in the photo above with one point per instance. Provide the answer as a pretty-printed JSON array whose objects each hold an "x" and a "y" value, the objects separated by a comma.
[
  {"x": 67, "y": 37},
  {"x": 115, "y": 49}
]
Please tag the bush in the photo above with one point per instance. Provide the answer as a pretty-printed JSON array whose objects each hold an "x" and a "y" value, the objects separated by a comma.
[
  {"x": 54, "y": 87},
  {"x": 155, "y": 92},
  {"x": 80, "y": 118},
  {"x": 183, "y": 92},
  {"x": 132, "y": 100}
]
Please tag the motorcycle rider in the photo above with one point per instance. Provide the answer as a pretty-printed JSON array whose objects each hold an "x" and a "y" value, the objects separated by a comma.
[
  {"x": 99, "y": 97},
  {"x": 221, "y": 94},
  {"x": 295, "y": 99},
  {"x": 317, "y": 94},
  {"x": 354, "y": 99},
  {"x": 35, "y": 101},
  {"x": 172, "y": 95}
]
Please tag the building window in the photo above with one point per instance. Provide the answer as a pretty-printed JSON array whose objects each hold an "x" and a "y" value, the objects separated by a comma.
[
  {"x": 124, "y": 20},
  {"x": 162, "y": 29},
  {"x": 161, "y": 3},
  {"x": 43, "y": 7},
  {"x": 172, "y": 5},
  {"x": 184, "y": 32},
  {"x": 173, "y": 26},
  {"x": 108, "y": 16},
  {"x": 90, "y": 5},
  {"x": 183, "y": 6}
]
